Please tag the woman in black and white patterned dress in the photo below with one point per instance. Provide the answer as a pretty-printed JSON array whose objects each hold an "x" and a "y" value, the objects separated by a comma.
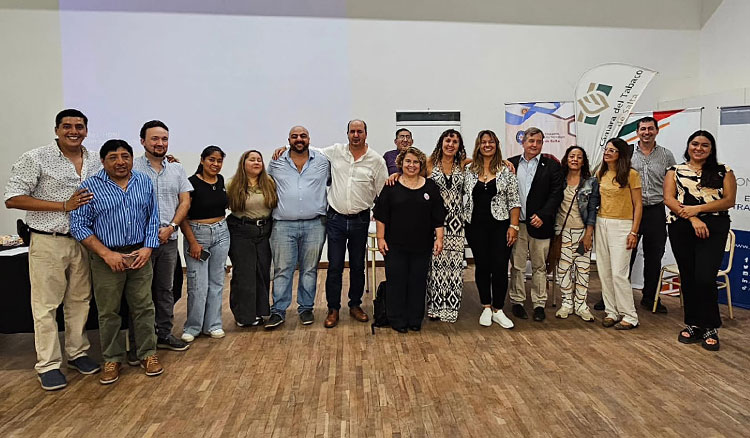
[{"x": 445, "y": 282}]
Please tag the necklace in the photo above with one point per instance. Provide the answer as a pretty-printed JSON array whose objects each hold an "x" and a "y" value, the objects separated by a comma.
[
  {"x": 213, "y": 184},
  {"x": 410, "y": 184}
]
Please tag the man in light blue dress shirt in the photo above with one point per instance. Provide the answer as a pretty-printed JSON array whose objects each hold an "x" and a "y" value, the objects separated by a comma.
[
  {"x": 172, "y": 191},
  {"x": 298, "y": 234}
]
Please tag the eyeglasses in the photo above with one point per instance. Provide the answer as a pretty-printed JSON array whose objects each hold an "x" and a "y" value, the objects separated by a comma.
[
  {"x": 611, "y": 151},
  {"x": 404, "y": 137}
]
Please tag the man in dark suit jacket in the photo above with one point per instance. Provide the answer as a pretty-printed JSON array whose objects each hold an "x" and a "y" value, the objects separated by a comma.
[{"x": 540, "y": 184}]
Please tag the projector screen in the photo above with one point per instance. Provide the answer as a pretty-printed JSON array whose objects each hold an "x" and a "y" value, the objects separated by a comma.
[{"x": 239, "y": 82}]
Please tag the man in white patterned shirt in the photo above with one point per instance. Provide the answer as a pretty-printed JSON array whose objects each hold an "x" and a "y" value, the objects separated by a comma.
[{"x": 44, "y": 182}]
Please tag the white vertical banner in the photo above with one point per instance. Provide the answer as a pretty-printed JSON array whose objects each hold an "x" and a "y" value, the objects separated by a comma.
[
  {"x": 604, "y": 98},
  {"x": 732, "y": 149}
]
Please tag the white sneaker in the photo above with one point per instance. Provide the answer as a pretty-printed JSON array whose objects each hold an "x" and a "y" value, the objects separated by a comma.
[
  {"x": 217, "y": 333},
  {"x": 187, "y": 337},
  {"x": 485, "y": 318},
  {"x": 500, "y": 318},
  {"x": 585, "y": 315},
  {"x": 564, "y": 312}
]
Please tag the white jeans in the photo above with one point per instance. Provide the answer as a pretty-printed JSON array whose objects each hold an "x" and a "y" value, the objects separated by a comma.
[{"x": 613, "y": 264}]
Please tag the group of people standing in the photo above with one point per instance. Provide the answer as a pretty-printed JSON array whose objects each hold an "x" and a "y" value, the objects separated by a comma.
[
  {"x": 509, "y": 211},
  {"x": 112, "y": 222}
]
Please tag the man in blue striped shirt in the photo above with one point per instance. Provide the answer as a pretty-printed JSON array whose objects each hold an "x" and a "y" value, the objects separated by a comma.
[{"x": 120, "y": 228}]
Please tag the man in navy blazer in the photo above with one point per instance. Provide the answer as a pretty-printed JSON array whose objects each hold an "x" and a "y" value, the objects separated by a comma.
[{"x": 540, "y": 185}]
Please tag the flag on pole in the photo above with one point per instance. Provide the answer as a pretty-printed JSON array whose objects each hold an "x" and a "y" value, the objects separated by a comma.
[{"x": 604, "y": 98}]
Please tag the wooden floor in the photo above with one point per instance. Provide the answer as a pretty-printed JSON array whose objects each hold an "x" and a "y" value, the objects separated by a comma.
[{"x": 552, "y": 379}]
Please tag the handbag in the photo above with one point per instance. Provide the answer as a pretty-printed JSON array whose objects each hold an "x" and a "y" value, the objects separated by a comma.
[{"x": 555, "y": 246}]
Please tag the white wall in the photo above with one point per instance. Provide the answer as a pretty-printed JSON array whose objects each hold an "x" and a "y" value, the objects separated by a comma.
[
  {"x": 30, "y": 89},
  {"x": 725, "y": 48},
  {"x": 208, "y": 76},
  {"x": 476, "y": 68},
  {"x": 724, "y": 64}
]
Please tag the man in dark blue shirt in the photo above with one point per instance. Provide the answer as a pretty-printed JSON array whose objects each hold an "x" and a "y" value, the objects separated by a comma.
[{"x": 120, "y": 228}]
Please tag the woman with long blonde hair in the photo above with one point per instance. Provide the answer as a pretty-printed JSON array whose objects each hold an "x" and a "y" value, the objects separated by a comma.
[
  {"x": 252, "y": 197},
  {"x": 492, "y": 212}
]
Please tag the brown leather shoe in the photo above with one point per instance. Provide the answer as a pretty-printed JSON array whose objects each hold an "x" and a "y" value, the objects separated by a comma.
[
  {"x": 358, "y": 314},
  {"x": 332, "y": 319},
  {"x": 152, "y": 366},
  {"x": 110, "y": 373}
]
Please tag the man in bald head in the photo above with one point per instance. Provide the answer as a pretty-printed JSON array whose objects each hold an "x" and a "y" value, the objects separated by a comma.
[
  {"x": 358, "y": 173},
  {"x": 299, "y": 229}
]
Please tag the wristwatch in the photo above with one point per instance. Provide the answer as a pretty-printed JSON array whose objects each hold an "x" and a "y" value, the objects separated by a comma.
[
  {"x": 515, "y": 227},
  {"x": 173, "y": 225}
]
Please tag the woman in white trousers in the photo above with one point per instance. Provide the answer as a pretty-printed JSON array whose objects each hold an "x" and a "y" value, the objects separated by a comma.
[{"x": 617, "y": 233}]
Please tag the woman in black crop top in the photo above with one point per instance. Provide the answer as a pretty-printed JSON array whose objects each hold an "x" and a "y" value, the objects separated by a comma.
[
  {"x": 207, "y": 246},
  {"x": 410, "y": 217}
]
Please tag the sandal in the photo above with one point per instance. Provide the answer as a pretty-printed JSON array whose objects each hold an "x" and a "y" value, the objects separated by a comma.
[
  {"x": 711, "y": 334},
  {"x": 623, "y": 325},
  {"x": 695, "y": 335}
]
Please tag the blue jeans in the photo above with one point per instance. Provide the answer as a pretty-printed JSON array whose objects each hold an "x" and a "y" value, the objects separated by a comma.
[
  {"x": 205, "y": 280},
  {"x": 293, "y": 242},
  {"x": 346, "y": 232}
]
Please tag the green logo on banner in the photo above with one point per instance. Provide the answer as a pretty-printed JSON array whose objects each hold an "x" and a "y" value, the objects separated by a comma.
[{"x": 593, "y": 103}]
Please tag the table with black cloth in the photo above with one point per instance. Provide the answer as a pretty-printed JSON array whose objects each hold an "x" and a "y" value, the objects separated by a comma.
[{"x": 15, "y": 297}]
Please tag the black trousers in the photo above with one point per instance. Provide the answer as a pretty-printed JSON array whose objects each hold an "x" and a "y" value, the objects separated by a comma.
[
  {"x": 653, "y": 233},
  {"x": 406, "y": 274},
  {"x": 250, "y": 252},
  {"x": 489, "y": 245},
  {"x": 699, "y": 260}
]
